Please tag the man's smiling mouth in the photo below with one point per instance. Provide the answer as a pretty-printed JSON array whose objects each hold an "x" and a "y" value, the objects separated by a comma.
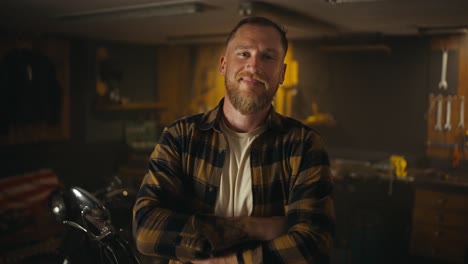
[{"x": 251, "y": 79}]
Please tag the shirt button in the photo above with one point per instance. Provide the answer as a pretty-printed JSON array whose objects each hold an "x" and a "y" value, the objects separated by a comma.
[{"x": 211, "y": 189}]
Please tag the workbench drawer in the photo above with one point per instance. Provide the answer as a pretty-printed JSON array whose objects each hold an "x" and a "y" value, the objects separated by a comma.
[
  {"x": 438, "y": 234},
  {"x": 438, "y": 250},
  {"x": 423, "y": 215},
  {"x": 441, "y": 200},
  {"x": 439, "y": 225}
]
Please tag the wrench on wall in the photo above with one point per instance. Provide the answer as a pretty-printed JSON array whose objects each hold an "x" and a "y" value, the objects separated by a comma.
[
  {"x": 461, "y": 122},
  {"x": 443, "y": 77},
  {"x": 438, "y": 125},
  {"x": 448, "y": 111}
]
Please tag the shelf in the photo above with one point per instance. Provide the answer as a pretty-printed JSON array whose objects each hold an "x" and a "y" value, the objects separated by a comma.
[
  {"x": 135, "y": 106},
  {"x": 106, "y": 110}
]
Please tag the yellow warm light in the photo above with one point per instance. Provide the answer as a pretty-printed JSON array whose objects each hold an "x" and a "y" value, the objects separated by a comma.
[
  {"x": 291, "y": 77},
  {"x": 209, "y": 83},
  {"x": 283, "y": 99}
]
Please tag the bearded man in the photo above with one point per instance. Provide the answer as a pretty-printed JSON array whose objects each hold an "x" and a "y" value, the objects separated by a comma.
[{"x": 240, "y": 183}]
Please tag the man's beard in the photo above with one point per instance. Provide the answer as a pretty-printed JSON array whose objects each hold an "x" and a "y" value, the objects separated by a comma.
[{"x": 247, "y": 104}]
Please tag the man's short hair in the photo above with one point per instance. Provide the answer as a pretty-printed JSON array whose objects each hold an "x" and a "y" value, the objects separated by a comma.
[{"x": 262, "y": 21}]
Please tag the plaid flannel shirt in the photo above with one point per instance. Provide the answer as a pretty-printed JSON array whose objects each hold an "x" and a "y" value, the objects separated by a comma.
[{"x": 173, "y": 214}]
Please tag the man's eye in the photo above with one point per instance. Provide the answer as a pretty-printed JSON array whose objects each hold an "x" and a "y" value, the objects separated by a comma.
[{"x": 243, "y": 54}]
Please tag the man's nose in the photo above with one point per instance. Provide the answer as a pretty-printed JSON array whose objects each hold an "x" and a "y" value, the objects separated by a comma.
[{"x": 253, "y": 63}]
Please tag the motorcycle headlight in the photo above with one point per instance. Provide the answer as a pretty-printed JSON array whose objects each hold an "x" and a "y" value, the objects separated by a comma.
[{"x": 86, "y": 199}]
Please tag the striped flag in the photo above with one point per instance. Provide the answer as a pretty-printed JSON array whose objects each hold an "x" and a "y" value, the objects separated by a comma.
[{"x": 27, "y": 190}]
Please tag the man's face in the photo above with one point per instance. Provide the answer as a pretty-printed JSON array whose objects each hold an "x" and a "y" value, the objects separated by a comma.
[{"x": 253, "y": 67}]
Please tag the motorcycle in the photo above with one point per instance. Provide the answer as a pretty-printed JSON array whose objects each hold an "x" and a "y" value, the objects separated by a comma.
[{"x": 91, "y": 236}]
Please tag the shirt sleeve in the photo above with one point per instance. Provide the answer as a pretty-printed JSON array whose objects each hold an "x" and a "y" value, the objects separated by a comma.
[
  {"x": 168, "y": 222},
  {"x": 310, "y": 214}
]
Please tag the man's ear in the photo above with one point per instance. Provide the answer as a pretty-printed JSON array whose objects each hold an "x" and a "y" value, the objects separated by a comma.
[
  {"x": 222, "y": 65},
  {"x": 283, "y": 73}
]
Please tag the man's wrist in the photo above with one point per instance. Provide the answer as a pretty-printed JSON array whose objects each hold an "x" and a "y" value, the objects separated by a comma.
[{"x": 263, "y": 228}]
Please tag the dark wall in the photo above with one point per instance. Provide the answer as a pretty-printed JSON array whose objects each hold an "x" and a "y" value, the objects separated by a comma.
[
  {"x": 378, "y": 99},
  {"x": 136, "y": 65},
  {"x": 96, "y": 147}
]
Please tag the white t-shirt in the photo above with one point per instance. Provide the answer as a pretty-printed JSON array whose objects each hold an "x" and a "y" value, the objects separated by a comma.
[{"x": 235, "y": 190}]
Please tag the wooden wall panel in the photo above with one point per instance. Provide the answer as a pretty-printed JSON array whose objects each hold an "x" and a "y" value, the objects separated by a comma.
[
  {"x": 450, "y": 143},
  {"x": 208, "y": 81},
  {"x": 463, "y": 67},
  {"x": 174, "y": 81}
]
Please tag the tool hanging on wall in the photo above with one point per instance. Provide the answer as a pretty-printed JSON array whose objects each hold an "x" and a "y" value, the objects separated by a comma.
[
  {"x": 438, "y": 125},
  {"x": 461, "y": 121},
  {"x": 443, "y": 78},
  {"x": 448, "y": 114},
  {"x": 454, "y": 111},
  {"x": 447, "y": 136}
]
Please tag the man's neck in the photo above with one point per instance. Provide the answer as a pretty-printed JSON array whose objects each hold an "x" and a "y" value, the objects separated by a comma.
[{"x": 239, "y": 122}]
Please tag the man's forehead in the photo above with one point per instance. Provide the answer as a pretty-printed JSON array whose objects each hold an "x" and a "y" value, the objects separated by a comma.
[
  {"x": 244, "y": 38},
  {"x": 262, "y": 28}
]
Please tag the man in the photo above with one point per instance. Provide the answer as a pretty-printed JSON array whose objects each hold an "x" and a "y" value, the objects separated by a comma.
[{"x": 240, "y": 183}]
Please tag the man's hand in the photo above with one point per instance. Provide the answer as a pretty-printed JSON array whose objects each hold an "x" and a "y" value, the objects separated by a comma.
[
  {"x": 231, "y": 233},
  {"x": 264, "y": 228},
  {"x": 231, "y": 259}
]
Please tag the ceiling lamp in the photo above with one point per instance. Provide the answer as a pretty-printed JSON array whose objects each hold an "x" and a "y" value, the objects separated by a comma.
[
  {"x": 137, "y": 11},
  {"x": 285, "y": 16}
]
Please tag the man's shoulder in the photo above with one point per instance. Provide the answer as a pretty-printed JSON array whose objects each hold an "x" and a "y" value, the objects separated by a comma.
[{"x": 201, "y": 121}]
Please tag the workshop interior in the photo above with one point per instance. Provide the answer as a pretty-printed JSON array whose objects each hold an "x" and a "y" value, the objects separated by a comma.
[{"x": 88, "y": 86}]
